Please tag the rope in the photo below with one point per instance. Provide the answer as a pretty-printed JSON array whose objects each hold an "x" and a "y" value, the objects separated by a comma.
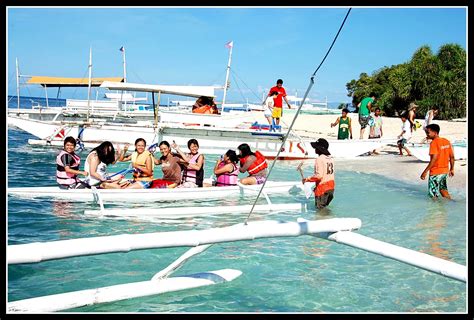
[
  {"x": 296, "y": 115},
  {"x": 253, "y": 92}
]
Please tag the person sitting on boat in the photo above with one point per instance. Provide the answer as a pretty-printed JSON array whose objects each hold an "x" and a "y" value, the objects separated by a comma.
[
  {"x": 227, "y": 169},
  {"x": 67, "y": 165},
  {"x": 143, "y": 165},
  {"x": 254, "y": 163},
  {"x": 205, "y": 105},
  {"x": 323, "y": 174},
  {"x": 96, "y": 164},
  {"x": 192, "y": 165},
  {"x": 170, "y": 166}
]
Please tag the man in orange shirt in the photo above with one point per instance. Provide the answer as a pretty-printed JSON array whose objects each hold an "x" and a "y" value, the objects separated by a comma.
[
  {"x": 323, "y": 174},
  {"x": 441, "y": 163}
]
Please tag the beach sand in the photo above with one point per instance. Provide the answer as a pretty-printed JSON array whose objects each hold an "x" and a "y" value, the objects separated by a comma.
[{"x": 388, "y": 163}]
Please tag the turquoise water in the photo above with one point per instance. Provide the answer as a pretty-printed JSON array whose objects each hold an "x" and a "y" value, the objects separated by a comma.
[{"x": 298, "y": 274}]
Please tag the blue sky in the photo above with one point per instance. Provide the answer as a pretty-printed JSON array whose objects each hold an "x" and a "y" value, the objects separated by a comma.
[{"x": 186, "y": 46}]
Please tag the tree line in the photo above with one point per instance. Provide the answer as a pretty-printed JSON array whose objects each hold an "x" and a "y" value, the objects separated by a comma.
[{"x": 427, "y": 79}]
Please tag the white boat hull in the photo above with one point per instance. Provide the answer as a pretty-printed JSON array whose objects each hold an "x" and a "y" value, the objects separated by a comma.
[
  {"x": 212, "y": 140},
  {"x": 422, "y": 152},
  {"x": 149, "y": 195}
]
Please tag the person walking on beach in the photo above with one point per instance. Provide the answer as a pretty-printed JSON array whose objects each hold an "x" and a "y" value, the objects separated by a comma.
[
  {"x": 345, "y": 128},
  {"x": 376, "y": 125},
  {"x": 67, "y": 165},
  {"x": 404, "y": 136},
  {"x": 365, "y": 107},
  {"x": 411, "y": 117},
  {"x": 323, "y": 174},
  {"x": 430, "y": 114},
  {"x": 278, "y": 106},
  {"x": 441, "y": 163}
]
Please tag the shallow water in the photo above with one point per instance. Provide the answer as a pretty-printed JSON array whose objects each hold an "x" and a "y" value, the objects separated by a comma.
[{"x": 297, "y": 274}]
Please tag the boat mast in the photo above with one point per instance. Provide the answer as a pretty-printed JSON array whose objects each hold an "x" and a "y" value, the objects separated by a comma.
[
  {"x": 17, "y": 85},
  {"x": 229, "y": 45},
  {"x": 90, "y": 84}
]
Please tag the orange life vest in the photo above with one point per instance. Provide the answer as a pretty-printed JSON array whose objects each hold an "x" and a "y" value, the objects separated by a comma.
[
  {"x": 206, "y": 109},
  {"x": 258, "y": 165}
]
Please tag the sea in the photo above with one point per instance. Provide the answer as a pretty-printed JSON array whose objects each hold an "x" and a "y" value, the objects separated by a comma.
[{"x": 279, "y": 275}]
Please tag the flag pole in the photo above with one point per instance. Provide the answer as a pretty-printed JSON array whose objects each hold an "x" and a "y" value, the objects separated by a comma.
[
  {"x": 228, "y": 45},
  {"x": 90, "y": 84},
  {"x": 17, "y": 85}
]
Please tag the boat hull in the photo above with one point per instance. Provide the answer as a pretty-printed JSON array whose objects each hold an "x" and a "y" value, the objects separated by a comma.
[
  {"x": 211, "y": 140},
  {"x": 150, "y": 195}
]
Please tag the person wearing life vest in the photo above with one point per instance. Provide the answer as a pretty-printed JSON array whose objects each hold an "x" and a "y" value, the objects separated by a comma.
[
  {"x": 170, "y": 166},
  {"x": 96, "y": 164},
  {"x": 143, "y": 165},
  {"x": 227, "y": 170},
  {"x": 205, "y": 105},
  {"x": 323, "y": 174},
  {"x": 67, "y": 165},
  {"x": 192, "y": 165},
  {"x": 253, "y": 163}
]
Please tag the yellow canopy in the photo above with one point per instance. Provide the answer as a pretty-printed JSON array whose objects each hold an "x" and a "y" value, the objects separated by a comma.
[{"x": 69, "y": 82}]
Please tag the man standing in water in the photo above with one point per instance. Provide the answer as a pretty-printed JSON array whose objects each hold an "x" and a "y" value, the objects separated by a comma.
[
  {"x": 278, "y": 106},
  {"x": 323, "y": 174},
  {"x": 365, "y": 107},
  {"x": 441, "y": 163}
]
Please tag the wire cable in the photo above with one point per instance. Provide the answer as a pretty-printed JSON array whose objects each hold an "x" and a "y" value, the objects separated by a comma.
[{"x": 296, "y": 115}]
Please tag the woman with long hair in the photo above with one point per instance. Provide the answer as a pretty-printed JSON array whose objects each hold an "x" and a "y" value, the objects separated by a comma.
[
  {"x": 253, "y": 163},
  {"x": 96, "y": 165}
]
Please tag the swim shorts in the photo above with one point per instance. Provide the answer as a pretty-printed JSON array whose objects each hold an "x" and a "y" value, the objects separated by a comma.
[
  {"x": 277, "y": 112},
  {"x": 436, "y": 183},
  {"x": 324, "y": 199},
  {"x": 363, "y": 121},
  {"x": 402, "y": 142},
  {"x": 260, "y": 179},
  {"x": 145, "y": 184}
]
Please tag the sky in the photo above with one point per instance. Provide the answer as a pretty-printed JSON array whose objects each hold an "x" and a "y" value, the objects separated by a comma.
[{"x": 186, "y": 46}]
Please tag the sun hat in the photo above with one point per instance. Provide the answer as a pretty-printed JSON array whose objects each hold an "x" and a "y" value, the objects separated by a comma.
[
  {"x": 322, "y": 145},
  {"x": 412, "y": 106}
]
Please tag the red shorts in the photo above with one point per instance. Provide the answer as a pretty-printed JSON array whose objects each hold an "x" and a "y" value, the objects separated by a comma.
[{"x": 160, "y": 183}]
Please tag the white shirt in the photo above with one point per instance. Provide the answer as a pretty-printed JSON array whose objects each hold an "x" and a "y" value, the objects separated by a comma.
[
  {"x": 406, "y": 127},
  {"x": 101, "y": 170},
  {"x": 268, "y": 105}
]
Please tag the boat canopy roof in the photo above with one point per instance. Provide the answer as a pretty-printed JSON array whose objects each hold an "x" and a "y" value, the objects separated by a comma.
[
  {"x": 70, "y": 82},
  {"x": 188, "y": 91}
]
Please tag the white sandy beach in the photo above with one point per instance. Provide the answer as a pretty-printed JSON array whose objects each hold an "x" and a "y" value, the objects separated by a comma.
[{"x": 388, "y": 163}]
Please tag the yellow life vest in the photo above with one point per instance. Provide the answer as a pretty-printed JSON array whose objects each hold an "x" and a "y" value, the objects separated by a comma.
[{"x": 140, "y": 160}]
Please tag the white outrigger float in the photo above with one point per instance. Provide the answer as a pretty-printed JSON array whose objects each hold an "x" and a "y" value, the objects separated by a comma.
[{"x": 338, "y": 230}]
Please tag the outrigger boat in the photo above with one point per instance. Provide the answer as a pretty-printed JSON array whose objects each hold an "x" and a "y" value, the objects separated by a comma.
[
  {"x": 212, "y": 140},
  {"x": 422, "y": 151},
  {"x": 339, "y": 230},
  {"x": 150, "y": 195}
]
